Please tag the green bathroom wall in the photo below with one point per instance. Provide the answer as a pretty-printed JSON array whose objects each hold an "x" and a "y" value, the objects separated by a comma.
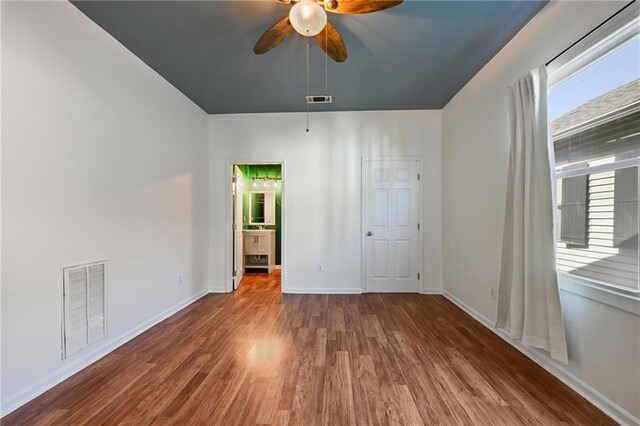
[{"x": 251, "y": 171}]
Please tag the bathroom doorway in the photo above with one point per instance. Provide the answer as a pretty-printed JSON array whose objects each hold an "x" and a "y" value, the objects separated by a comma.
[{"x": 256, "y": 225}]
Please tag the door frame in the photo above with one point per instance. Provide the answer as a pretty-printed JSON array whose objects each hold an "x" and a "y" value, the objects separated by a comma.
[
  {"x": 228, "y": 280},
  {"x": 363, "y": 218},
  {"x": 234, "y": 239}
]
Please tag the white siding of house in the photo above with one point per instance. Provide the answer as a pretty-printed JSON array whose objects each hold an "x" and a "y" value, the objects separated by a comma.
[{"x": 600, "y": 260}]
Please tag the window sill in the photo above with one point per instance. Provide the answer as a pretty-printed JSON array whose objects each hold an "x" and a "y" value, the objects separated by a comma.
[{"x": 626, "y": 301}]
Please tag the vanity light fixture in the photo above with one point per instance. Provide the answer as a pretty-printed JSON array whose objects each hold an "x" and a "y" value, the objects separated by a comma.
[{"x": 267, "y": 182}]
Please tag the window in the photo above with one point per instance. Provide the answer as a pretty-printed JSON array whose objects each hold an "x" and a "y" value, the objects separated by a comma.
[{"x": 594, "y": 109}]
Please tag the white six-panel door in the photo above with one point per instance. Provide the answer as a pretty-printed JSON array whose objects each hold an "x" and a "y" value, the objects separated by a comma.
[{"x": 391, "y": 225}]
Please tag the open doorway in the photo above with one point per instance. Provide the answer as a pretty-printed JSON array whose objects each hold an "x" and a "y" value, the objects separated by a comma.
[{"x": 257, "y": 225}]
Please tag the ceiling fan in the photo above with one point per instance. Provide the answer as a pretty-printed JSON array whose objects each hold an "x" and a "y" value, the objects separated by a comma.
[{"x": 309, "y": 18}]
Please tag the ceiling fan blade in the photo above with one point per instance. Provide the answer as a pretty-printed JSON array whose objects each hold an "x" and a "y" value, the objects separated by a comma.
[
  {"x": 332, "y": 43},
  {"x": 351, "y": 7},
  {"x": 273, "y": 36}
]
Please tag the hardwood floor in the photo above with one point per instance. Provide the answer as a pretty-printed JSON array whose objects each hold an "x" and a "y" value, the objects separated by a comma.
[{"x": 259, "y": 357}]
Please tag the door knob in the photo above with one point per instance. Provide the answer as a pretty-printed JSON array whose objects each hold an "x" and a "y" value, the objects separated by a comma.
[{"x": 369, "y": 234}]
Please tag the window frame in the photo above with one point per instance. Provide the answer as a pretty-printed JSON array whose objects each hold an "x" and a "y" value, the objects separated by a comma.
[
  {"x": 611, "y": 36},
  {"x": 617, "y": 32}
]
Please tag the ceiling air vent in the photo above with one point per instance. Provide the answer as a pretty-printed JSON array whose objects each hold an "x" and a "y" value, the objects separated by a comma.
[{"x": 319, "y": 99}]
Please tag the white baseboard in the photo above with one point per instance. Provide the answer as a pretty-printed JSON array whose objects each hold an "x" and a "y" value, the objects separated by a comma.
[
  {"x": 609, "y": 407},
  {"x": 68, "y": 369},
  {"x": 218, "y": 290},
  {"x": 431, "y": 291},
  {"x": 326, "y": 290}
]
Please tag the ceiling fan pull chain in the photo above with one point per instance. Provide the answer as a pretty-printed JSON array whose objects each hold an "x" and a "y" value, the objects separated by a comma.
[
  {"x": 307, "y": 83},
  {"x": 326, "y": 59},
  {"x": 307, "y": 40}
]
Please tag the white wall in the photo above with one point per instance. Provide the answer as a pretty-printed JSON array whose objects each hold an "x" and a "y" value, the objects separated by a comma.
[
  {"x": 102, "y": 159},
  {"x": 322, "y": 215},
  {"x": 604, "y": 342}
]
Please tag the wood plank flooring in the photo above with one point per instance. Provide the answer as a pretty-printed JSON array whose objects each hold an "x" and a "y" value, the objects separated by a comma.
[{"x": 259, "y": 357}]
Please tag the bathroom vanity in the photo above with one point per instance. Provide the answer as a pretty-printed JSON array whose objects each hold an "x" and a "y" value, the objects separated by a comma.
[{"x": 259, "y": 249}]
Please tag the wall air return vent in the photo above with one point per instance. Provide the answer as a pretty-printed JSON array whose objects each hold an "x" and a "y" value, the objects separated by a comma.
[{"x": 84, "y": 306}]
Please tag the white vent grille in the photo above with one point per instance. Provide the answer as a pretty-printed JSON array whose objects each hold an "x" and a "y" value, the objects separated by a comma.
[
  {"x": 84, "y": 302},
  {"x": 319, "y": 99}
]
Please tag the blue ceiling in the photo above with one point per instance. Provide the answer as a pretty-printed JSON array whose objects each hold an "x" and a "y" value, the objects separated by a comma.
[{"x": 417, "y": 55}]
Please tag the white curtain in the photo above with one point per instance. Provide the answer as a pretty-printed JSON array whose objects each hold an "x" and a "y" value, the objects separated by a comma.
[{"x": 528, "y": 298}]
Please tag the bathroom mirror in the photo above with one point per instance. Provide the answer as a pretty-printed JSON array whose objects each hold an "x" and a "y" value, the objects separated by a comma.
[{"x": 262, "y": 208}]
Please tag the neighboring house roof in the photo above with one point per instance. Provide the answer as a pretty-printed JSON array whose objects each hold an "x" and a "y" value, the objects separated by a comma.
[{"x": 597, "y": 107}]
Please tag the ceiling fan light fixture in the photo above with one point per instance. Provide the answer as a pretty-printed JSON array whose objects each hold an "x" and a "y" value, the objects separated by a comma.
[{"x": 308, "y": 18}]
